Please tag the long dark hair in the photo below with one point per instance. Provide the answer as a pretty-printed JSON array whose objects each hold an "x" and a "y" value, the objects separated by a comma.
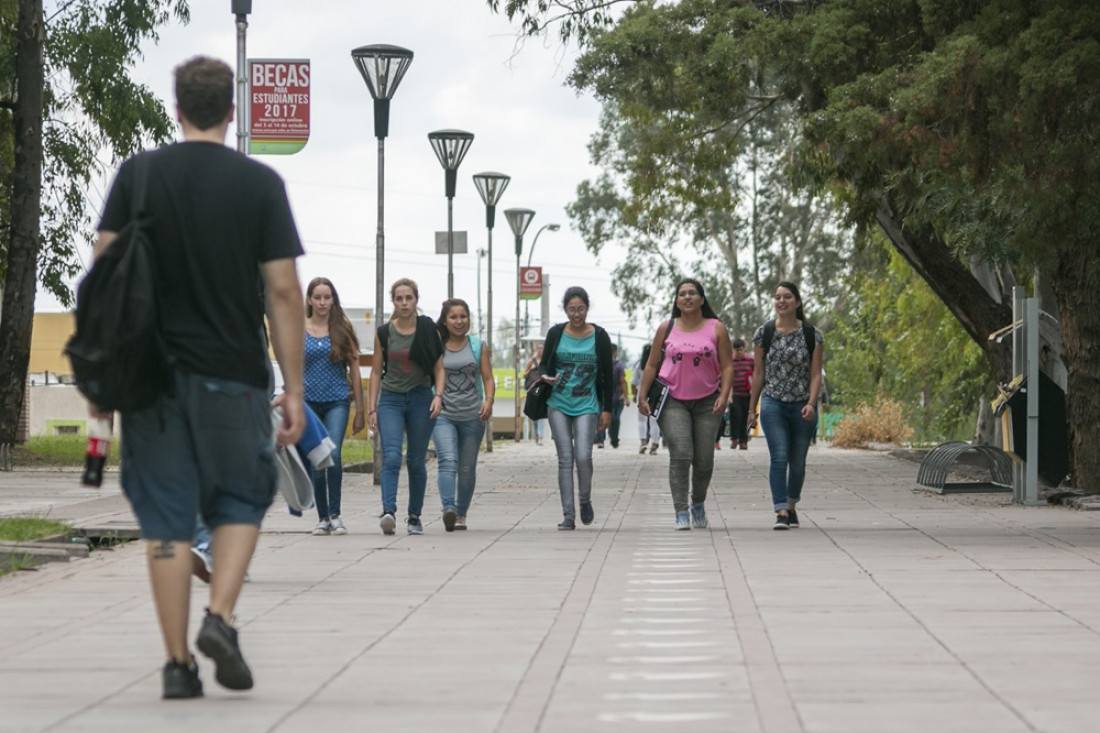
[
  {"x": 345, "y": 346},
  {"x": 706, "y": 310},
  {"x": 799, "y": 313},
  {"x": 441, "y": 323}
]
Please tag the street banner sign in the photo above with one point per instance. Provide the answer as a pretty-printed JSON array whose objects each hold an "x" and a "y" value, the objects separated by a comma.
[
  {"x": 278, "y": 112},
  {"x": 530, "y": 283},
  {"x": 459, "y": 243}
]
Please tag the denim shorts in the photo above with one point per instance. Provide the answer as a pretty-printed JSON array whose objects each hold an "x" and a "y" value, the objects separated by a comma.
[{"x": 206, "y": 449}]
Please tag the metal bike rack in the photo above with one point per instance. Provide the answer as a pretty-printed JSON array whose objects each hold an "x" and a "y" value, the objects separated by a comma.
[{"x": 937, "y": 464}]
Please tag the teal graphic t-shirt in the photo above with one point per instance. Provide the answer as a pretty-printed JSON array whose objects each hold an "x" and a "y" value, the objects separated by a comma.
[{"x": 575, "y": 391}]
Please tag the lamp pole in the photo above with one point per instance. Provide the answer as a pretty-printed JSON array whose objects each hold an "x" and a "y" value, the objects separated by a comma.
[
  {"x": 382, "y": 67},
  {"x": 450, "y": 147},
  {"x": 530, "y": 253},
  {"x": 490, "y": 185},
  {"x": 518, "y": 220},
  {"x": 241, "y": 8}
]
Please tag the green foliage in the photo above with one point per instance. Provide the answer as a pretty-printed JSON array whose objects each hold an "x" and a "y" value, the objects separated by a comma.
[
  {"x": 92, "y": 108},
  {"x": 897, "y": 338},
  {"x": 26, "y": 529},
  {"x": 58, "y": 451}
]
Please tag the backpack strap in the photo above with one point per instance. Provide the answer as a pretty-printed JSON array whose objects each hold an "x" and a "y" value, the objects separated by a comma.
[
  {"x": 769, "y": 334},
  {"x": 383, "y": 342},
  {"x": 807, "y": 333}
]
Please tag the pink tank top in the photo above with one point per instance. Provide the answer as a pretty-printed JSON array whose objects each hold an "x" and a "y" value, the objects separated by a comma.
[{"x": 691, "y": 366}]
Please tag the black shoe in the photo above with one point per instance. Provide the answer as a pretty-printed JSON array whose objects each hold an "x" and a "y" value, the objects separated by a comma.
[
  {"x": 792, "y": 518},
  {"x": 218, "y": 640},
  {"x": 587, "y": 515},
  {"x": 782, "y": 521},
  {"x": 181, "y": 681},
  {"x": 449, "y": 520},
  {"x": 567, "y": 524}
]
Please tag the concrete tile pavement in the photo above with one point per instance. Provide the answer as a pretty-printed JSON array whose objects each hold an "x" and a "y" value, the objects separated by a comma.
[{"x": 889, "y": 610}]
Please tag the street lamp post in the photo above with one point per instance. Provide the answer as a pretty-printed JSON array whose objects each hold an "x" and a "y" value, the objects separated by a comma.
[
  {"x": 450, "y": 147},
  {"x": 530, "y": 253},
  {"x": 490, "y": 185},
  {"x": 518, "y": 220},
  {"x": 382, "y": 67},
  {"x": 241, "y": 9}
]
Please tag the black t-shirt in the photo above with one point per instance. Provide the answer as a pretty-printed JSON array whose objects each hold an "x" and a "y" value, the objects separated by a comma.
[{"x": 217, "y": 216}]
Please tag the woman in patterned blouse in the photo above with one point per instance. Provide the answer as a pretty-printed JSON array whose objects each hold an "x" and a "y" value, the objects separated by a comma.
[{"x": 786, "y": 381}]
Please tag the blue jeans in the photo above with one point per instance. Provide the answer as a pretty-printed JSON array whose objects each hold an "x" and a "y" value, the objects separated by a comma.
[
  {"x": 327, "y": 482},
  {"x": 689, "y": 427},
  {"x": 573, "y": 441},
  {"x": 457, "y": 443},
  {"x": 404, "y": 416},
  {"x": 788, "y": 437}
]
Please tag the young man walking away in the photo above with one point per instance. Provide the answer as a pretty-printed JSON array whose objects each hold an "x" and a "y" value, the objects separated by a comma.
[{"x": 222, "y": 233}]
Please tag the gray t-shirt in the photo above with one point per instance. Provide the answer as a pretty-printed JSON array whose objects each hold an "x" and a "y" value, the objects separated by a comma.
[
  {"x": 403, "y": 375},
  {"x": 787, "y": 364},
  {"x": 461, "y": 398}
]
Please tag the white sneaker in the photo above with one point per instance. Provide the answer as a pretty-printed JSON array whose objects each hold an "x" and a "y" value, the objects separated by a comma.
[
  {"x": 337, "y": 525},
  {"x": 323, "y": 528},
  {"x": 388, "y": 523}
]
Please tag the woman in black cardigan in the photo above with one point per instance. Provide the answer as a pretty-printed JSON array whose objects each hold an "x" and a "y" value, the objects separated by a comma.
[{"x": 576, "y": 359}]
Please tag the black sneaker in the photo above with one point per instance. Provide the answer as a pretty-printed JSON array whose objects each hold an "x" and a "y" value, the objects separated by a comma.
[
  {"x": 413, "y": 525},
  {"x": 181, "y": 681},
  {"x": 782, "y": 521},
  {"x": 567, "y": 524},
  {"x": 587, "y": 514},
  {"x": 218, "y": 640},
  {"x": 792, "y": 518}
]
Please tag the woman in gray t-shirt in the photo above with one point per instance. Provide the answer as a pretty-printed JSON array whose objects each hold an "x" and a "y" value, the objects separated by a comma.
[{"x": 469, "y": 405}]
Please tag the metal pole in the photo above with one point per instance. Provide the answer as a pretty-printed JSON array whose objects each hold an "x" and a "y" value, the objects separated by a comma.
[
  {"x": 450, "y": 249},
  {"x": 242, "y": 84},
  {"x": 480, "y": 319},
  {"x": 544, "y": 325},
  {"x": 1031, "y": 336},
  {"x": 379, "y": 290},
  {"x": 515, "y": 384},
  {"x": 1018, "y": 296},
  {"x": 489, "y": 331}
]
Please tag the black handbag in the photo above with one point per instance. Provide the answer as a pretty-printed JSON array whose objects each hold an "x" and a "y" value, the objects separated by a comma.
[{"x": 538, "y": 396}]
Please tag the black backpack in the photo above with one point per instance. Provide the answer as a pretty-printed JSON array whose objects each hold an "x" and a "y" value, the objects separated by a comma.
[
  {"x": 117, "y": 353},
  {"x": 807, "y": 333}
]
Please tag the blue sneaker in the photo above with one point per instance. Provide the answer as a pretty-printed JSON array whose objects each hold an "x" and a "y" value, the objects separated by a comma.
[
  {"x": 683, "y": 521},
  {"x": 698, "y": 516},
  {"x": 587, "y": 514}
]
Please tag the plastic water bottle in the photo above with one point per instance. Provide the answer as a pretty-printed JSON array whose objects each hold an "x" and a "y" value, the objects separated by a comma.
[{"x": 95, "y": 457}]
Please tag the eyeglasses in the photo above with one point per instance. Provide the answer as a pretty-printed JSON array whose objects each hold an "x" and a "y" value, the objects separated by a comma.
[{"x": 576, "y": 311}]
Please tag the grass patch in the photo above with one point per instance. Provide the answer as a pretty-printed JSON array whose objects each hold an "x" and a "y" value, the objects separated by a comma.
[
  {"x": 57, "y": 450},
  {"x": 356, "y": 450},
  {"x": 26, "y": 529}
]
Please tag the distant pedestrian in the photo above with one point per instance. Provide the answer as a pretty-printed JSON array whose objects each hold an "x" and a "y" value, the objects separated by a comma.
[
  {"x": 577, "y": 361},
  {"x": 530, "y": 376},
  {"x": 408, "y": 362},
  {"x": 739, "y": 403},
  {"x": 469, "y": 405},
  {"x": 698, "y": 369},
  {"x": 786, "y": 382},
  {"x": 649, "y": 432},
  {"x": 619, "y": 402},
  {"x": 331, "y": 378},
  {"x": 222, "y": 231}
]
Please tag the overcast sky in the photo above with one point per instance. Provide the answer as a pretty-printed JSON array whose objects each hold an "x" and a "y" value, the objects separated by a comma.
[{"x": 468, "y": 73}]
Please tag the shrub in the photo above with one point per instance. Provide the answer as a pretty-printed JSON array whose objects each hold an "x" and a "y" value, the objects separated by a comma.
[{"x": 881, "y": 422}]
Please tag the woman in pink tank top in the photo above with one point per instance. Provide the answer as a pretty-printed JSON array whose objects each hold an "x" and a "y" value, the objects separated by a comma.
[{"x": 691, "y": 353}]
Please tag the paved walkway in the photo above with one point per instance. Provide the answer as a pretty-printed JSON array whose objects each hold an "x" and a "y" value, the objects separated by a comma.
[{"x": 889, "y": 610}]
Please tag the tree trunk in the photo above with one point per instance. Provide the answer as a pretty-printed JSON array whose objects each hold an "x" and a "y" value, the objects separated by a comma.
[
  {"x": 20, "y": 280},
  {"x": 1075, "y": 281},
  {"x": 979, "y": 314}
]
